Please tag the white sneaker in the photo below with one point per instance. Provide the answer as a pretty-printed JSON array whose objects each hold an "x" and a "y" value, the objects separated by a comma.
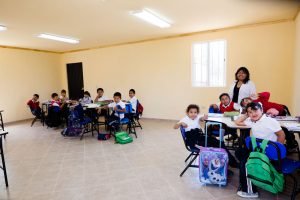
[{"x": 247, "y": 195}]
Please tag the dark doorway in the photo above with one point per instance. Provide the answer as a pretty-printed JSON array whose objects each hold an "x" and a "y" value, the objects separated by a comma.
[{"x": 75, "y": 80}]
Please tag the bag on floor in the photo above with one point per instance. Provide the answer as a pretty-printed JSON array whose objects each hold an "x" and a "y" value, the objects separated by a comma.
[
  {"x": 103, "y": 136},
  {"x": 260, "y": 170},
  {"x": 123, "y": 137},
  {"x": 213, "y": 162},
  {"x": 74, "y": 127}
]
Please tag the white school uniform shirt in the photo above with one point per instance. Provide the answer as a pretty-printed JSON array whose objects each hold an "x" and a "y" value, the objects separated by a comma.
[
  {"x": 133, "y": 102},
  {"x": 114, "y": 104},
  {"x": 264, "y": 128},
  {"x": 103, "y": 98},
  {"x": 246, "y": 90},
  {"x": 191, "y": 123},
  {"x": 86, "y": 100},
  {"x": 236, "y": 106}
]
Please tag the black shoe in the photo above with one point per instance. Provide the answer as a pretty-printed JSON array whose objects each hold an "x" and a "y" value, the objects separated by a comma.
[{"x": 231, "y": 138}]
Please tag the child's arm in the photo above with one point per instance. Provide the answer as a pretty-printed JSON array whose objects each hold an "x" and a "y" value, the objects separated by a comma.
[
  {"x": 205, "y": 117},
  {"x": 280, "y": 136},
  {"x": 178, "y": 124},
  {"x": 241, "y": 120},
  {"x": 264, "y": 96}
]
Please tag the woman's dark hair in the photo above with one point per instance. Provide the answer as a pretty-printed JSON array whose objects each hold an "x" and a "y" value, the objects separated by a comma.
[
  {"x": 132, "y": 90},
  {"x": 63, "y": 91},
  {"x": 192, "y": 106},
  {"x": 246, "y": 71},
  {"x": 87, "y": 93},
  {"x": 224, "y": 94},
  {"x": 54, "y": 95},
  {"x": 117, "y": 94},
  {"x": 100, "y": 89},
  {"x": 254, "y": 106},
  {"x": 36, "y": 95}
]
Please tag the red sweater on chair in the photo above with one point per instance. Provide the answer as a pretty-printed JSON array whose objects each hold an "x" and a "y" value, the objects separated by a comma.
[{"x": 263, "y": 98}]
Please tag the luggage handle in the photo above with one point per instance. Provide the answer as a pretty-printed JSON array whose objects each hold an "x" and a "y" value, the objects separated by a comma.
[{"x": 220, "y": 131}]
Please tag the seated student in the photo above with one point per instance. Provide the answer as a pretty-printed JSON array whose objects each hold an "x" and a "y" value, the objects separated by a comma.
[
  {"x": 226, "y": 105},
  {"x": 34, "y": 106},
  {"x": 55, "y": 100},
  {"x": 194, "y": 133},
  {"x": 133, "y": 100},
  {"x": 270, "y": 108},
  {"x": 119, "y": 109},
  {"x": 262, "y": 127},
  {"x": 86, "y": 98},
  {"x": 63, "y": 96},
  {"x": 100, "y": 97}
]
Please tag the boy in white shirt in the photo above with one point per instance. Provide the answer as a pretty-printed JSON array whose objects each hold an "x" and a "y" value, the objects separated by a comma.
[
  {"x": 119, "y": 109},
  {"x": 100, "y": 96},
  {"x": 133, "y": 100},
  {"x": 262, "y": 127}
]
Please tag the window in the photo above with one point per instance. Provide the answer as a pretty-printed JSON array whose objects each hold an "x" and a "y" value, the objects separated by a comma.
[{"x": 209, "y": 64}]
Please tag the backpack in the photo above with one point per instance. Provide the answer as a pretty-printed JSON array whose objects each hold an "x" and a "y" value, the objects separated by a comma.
[
  {"x": 123, "y": 138},
  {"x": 140, "y": 108},
  {"x": 74, "y": 127},
  {"x": 260, "y": 170}
]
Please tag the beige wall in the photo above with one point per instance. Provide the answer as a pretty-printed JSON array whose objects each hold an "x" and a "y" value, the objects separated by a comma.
[
  {"x": 297, "y": 69},
  {"x": 23, "y": 73},
  {"x": 160, "y": 71}
]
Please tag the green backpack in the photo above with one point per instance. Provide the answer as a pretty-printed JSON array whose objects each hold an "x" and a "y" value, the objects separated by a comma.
[
  {"x": 123, "y": 138},
  {"x": 260, "y": 170}
]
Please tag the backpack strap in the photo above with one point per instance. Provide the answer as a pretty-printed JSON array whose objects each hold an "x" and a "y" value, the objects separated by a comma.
[
  {"x": 254, "y": 145},
  {"x": 263, "y": 145}
]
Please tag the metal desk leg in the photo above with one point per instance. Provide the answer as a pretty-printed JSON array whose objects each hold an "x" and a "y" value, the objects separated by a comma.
[{"x": 3, "y": 162}]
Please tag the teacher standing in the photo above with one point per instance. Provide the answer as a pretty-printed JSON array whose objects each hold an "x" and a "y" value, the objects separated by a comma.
[{"x": 242, "y": 87}]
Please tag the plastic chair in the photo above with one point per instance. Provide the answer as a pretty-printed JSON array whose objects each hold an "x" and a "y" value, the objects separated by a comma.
[
  {"x": 194, "y": 153},
  {"x": 127, "y": 120},
  {"x": 84, "y": 121},
  {"x": 277, "y": 152}
]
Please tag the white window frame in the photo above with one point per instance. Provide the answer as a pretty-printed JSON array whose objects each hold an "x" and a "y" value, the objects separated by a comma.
[{"x": 208, "y": 83}]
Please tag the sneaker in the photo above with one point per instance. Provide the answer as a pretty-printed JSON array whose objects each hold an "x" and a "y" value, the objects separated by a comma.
[{"x": 247, "y": 195}]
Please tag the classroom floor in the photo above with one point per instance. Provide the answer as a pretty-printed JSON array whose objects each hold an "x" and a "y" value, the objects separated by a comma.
[{"x": 42, "y": 164}]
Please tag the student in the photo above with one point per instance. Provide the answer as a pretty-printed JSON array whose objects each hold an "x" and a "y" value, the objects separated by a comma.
[
  {"x": 63, "y": 96},
  {"x": 100, "y": 96},
  {"x": 225, "y": 105},
  {"x": 34, "y": 105},
  {"x": 86, "y": 98},
  {"x": 118, "y": 108},
  {"x": 270, "y": 108},
  {"x": 55, "y": 100},
  {"x": 194, "y": 133},
  {"x": 133, "y": 100},
  {"x": 262, "y": 127}
]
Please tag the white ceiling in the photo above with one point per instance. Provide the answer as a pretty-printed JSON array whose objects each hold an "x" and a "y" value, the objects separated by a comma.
[{"x": 104, "y": 22}]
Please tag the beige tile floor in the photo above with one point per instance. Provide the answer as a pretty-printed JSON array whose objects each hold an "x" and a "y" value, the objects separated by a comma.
[{"x": 42, "y": 164}]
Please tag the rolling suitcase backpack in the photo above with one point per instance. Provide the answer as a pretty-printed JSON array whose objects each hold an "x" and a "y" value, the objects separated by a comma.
[{"x": 213, "y": 162}]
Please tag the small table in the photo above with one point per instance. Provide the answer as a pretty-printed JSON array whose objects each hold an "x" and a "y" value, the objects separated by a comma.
[{"x": 3, "y": 133}]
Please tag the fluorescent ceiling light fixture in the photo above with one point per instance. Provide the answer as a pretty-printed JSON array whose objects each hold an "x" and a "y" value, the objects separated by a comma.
[
  {"x": 151, "y": 17},
  {"x": 3, "y": 28},
  {"x": 58, "y": 38}
]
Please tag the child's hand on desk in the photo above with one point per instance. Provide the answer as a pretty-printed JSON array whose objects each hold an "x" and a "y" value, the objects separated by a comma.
[{"x": 205, "y": 117}]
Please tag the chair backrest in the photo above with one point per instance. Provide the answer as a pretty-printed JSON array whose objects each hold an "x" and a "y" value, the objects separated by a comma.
[
  {"x": 183, "y": 134},
  {"x": 79, "y": 112},
  {"x": 274, "y": 151},
  {"x": 128, "y": 107}
]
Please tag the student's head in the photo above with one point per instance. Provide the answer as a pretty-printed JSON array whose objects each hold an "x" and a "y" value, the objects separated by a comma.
[
  {"x": 245, "y": 102},
  {"x": 63, "y": 93},
  {"x": 100, "y": 92},
  {"x": 86, "y": 94},
  {"x": 131, "y": 93},
  {"x": 242, "y": 74},
  {"x": 35, "y": 97},
  {"x": 192, "y": 111},
  {"x": 117, "y": 97},
  {"x": 254, "y": 111},
  {"x": 54, "y": 96},
  {"x": 224, "y": 98}
]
